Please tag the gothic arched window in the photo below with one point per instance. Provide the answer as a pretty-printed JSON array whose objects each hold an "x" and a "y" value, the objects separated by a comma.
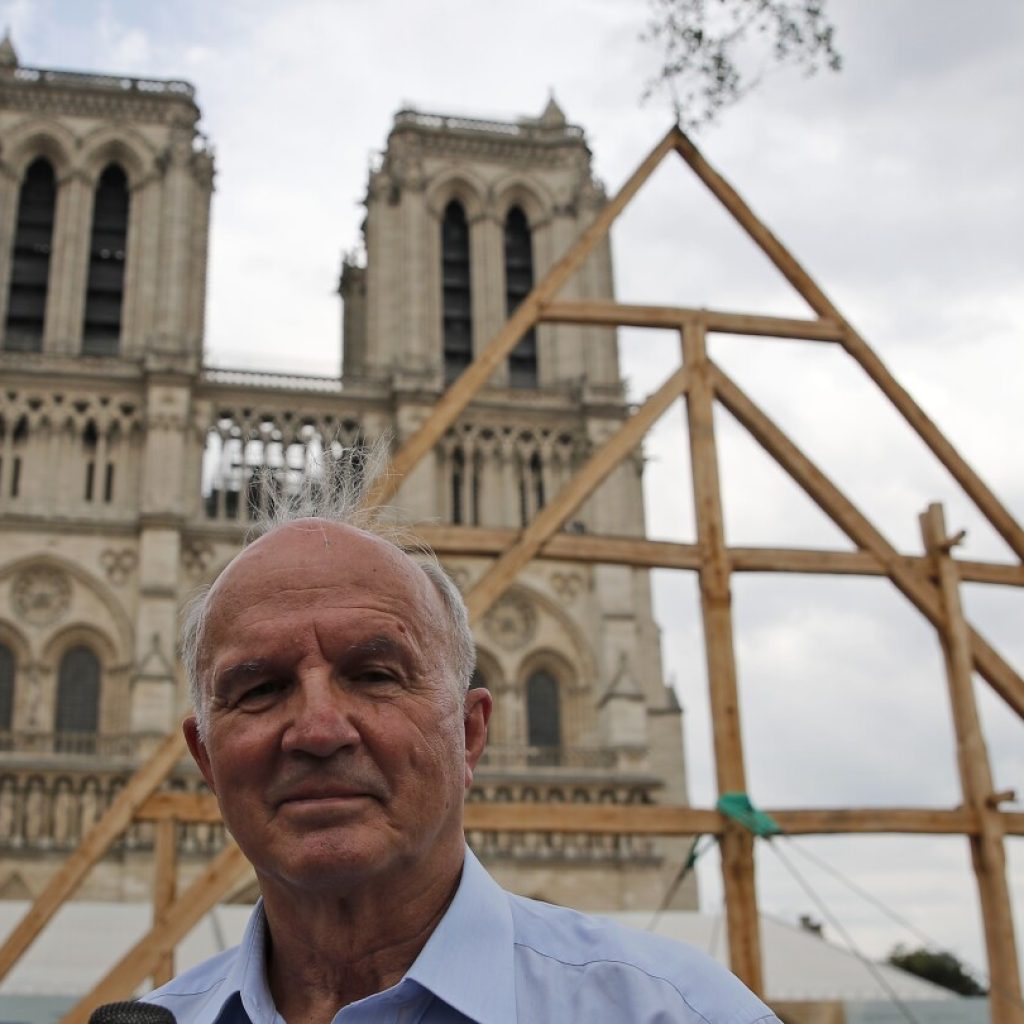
[
  {"x": 30, "y": 263},
  {"x": 6, "y": 687},
  {"x": 458, "y": 484},
  {"x": 543, "y": 718},
  {"x": 457, "y": 314},
  {"x": 101, "y": 332},
  {"x": 78, "y": 700},
  {"x": 522, "y": 361}
]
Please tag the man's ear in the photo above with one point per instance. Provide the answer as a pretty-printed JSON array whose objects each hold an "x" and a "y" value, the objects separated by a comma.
[
  {"x": 197, "y": 748},
  {"x": 477, "y": 715}
]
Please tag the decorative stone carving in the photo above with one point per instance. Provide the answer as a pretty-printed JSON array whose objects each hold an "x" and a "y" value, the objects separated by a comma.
[
  {"x": 118, "y": 565},
  {"x": 512, "y": 622},
  {"x": 567, "y": 585},
  {"x": 41, "y": 595},
  {"x": 196, "y": 556}
]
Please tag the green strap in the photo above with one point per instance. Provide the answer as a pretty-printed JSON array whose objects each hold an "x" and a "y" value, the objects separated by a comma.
[{"x": 738, "y": 808}]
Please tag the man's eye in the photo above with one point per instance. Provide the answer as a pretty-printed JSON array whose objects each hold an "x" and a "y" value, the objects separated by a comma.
[
  {"x": 261, "y": 691},
  {"x": 375, "y": 675}
]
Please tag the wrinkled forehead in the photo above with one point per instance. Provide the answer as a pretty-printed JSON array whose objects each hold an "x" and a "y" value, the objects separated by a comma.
[{"x": 309, "y": 560}]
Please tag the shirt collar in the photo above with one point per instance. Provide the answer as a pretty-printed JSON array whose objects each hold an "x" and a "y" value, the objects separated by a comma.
[{"x": 468, "y": 960}]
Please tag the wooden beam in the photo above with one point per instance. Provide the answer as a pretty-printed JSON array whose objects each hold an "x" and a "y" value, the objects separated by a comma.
[
  {"x": 476, "y": 375},
  {"x": 921, "y": 592},
  {"x": 663, "y": 554},
  {"x": 190, "y": 807},
  {"x": 223, "y": 873},
  {"x": 617, "y": 314},
  {"x": 673, "y": 820},
  {"x": 737, "y": 845},
  {"x": 489, "y": 587},
  {"x": 93, "y": 845},
  {"x": 647, "y": 820},
  {"x": 987, "y": 854},
  {"x": 996, "y": 513},
  {"x": 165, "y": 886}
]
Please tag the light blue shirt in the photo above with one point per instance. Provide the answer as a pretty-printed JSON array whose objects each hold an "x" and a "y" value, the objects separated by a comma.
[{"x": 496, "y": 958}]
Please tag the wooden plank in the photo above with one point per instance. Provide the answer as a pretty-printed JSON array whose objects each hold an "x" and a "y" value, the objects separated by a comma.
[
  {"x": 165, "y": 885},
  {"x": 489, "y": 587},
  {"x": 604, "y": 819},
  {"x": 222, "y": 875},
  {"x": 476, "y": 375},
  {"x": 653, "y": 820},
  {"x": 617, "y": 314},
  {"x": 190, "y": 807},
  {"x": 987, "y": 854},
  {"x": 736, "y": 844},
  {"x": 663, "y": 554},
  {"x": 972, "y": 484},
  {"x": 92, "y": 847},
  {"x": 922, "y": 593},
  {"x": 648, "y": 820},
  {"x": 673, "y": 820}
]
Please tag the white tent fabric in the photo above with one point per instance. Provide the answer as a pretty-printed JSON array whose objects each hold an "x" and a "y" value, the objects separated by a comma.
[{"x": 86, "y": 939}]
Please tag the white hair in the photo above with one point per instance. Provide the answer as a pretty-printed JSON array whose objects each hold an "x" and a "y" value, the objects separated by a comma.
[{"x": 335, "y": 494}]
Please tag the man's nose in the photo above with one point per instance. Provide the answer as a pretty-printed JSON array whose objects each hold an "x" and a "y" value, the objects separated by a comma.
[{"x": 321, "y": 721}]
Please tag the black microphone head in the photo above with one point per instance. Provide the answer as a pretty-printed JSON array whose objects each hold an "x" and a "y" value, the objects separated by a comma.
[{"x": 131, "y": 1013}]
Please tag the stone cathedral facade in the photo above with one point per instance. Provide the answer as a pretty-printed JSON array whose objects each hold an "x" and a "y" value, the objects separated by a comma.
[{"x": 129, "y": 469}]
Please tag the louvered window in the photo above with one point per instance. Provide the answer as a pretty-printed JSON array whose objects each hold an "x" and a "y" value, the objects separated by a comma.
[
  {"x": 101, "y": 333},
  {"x": 78, "y": 701},
  {"x": 522, "y": 362},
  {"x": 543, "y": 718},
  {"x": 6, "y": 687},
  {"x": 30, "y": 263},
  {"x": 458, "y": 317}
]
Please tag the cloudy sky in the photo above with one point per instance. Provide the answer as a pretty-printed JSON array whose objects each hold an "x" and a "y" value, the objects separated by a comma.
[{"x": 899, "y": 184}]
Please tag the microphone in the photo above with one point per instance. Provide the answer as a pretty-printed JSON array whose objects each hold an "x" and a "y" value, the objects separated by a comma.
[{"x": 131, "y": 1013}]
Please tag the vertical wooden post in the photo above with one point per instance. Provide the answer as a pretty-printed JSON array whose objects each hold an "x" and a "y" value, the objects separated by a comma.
[
  {"x": 737, "y": 844},
  {"x": 165, "y": 886},
  {"x": 987, "y": 853}
]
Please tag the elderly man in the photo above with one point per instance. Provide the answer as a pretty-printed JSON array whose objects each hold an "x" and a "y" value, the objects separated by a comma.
[{"x": 333, "y": 720}]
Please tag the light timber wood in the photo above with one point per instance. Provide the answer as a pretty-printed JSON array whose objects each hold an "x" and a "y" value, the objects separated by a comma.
[
  {"x": 165, "y": 885},
  {"x": 93, "y": 845},
  {"x": 662, "y": 554},
  {"x": 608, "y": 819},
  {"x": 737, "y": 845},
  {"x": 190, "y": 807},
  {"x": 476, "y": 375},
  {"x": 656, "y": 820},
  {"x": 996, "y": 513},
  {"x": 224, "y": 872},
  {"x": 921, "y": 592},
  {"x": 576, "y": 490},
  {"x": 673, "y": 820},
  {"x": 987, "y": 854},
  {"x": 595, "y": 311}
]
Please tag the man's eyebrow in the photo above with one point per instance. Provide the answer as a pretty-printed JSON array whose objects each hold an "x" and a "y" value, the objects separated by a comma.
[
  {"x": 376, "y": 646},
  {"x": 240, "y": 672}
]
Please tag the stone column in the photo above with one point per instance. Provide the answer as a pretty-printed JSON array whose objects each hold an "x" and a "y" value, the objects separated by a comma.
[
  {"x": 175, "y": 227},
  {"x": 69, "y": 264},
  {"x": 162, "y": 506},
  {"x": 10, "y": 186}
]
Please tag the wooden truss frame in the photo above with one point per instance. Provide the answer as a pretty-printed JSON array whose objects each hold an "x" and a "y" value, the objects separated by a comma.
[{"x": 930, "y": 582}]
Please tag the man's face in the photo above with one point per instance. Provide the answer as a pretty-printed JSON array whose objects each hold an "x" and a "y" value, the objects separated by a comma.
[{"x": 336, "y": 741}]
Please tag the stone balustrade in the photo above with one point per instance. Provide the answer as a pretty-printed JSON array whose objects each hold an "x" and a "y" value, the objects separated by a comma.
[{"x": 47, "y": 806}]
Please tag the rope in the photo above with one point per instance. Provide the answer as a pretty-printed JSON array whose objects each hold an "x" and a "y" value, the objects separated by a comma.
[
  {"x": 898, "y": 918},
  {"x": 847, "y": 938},
  {"x": 673, "y": 886}
]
